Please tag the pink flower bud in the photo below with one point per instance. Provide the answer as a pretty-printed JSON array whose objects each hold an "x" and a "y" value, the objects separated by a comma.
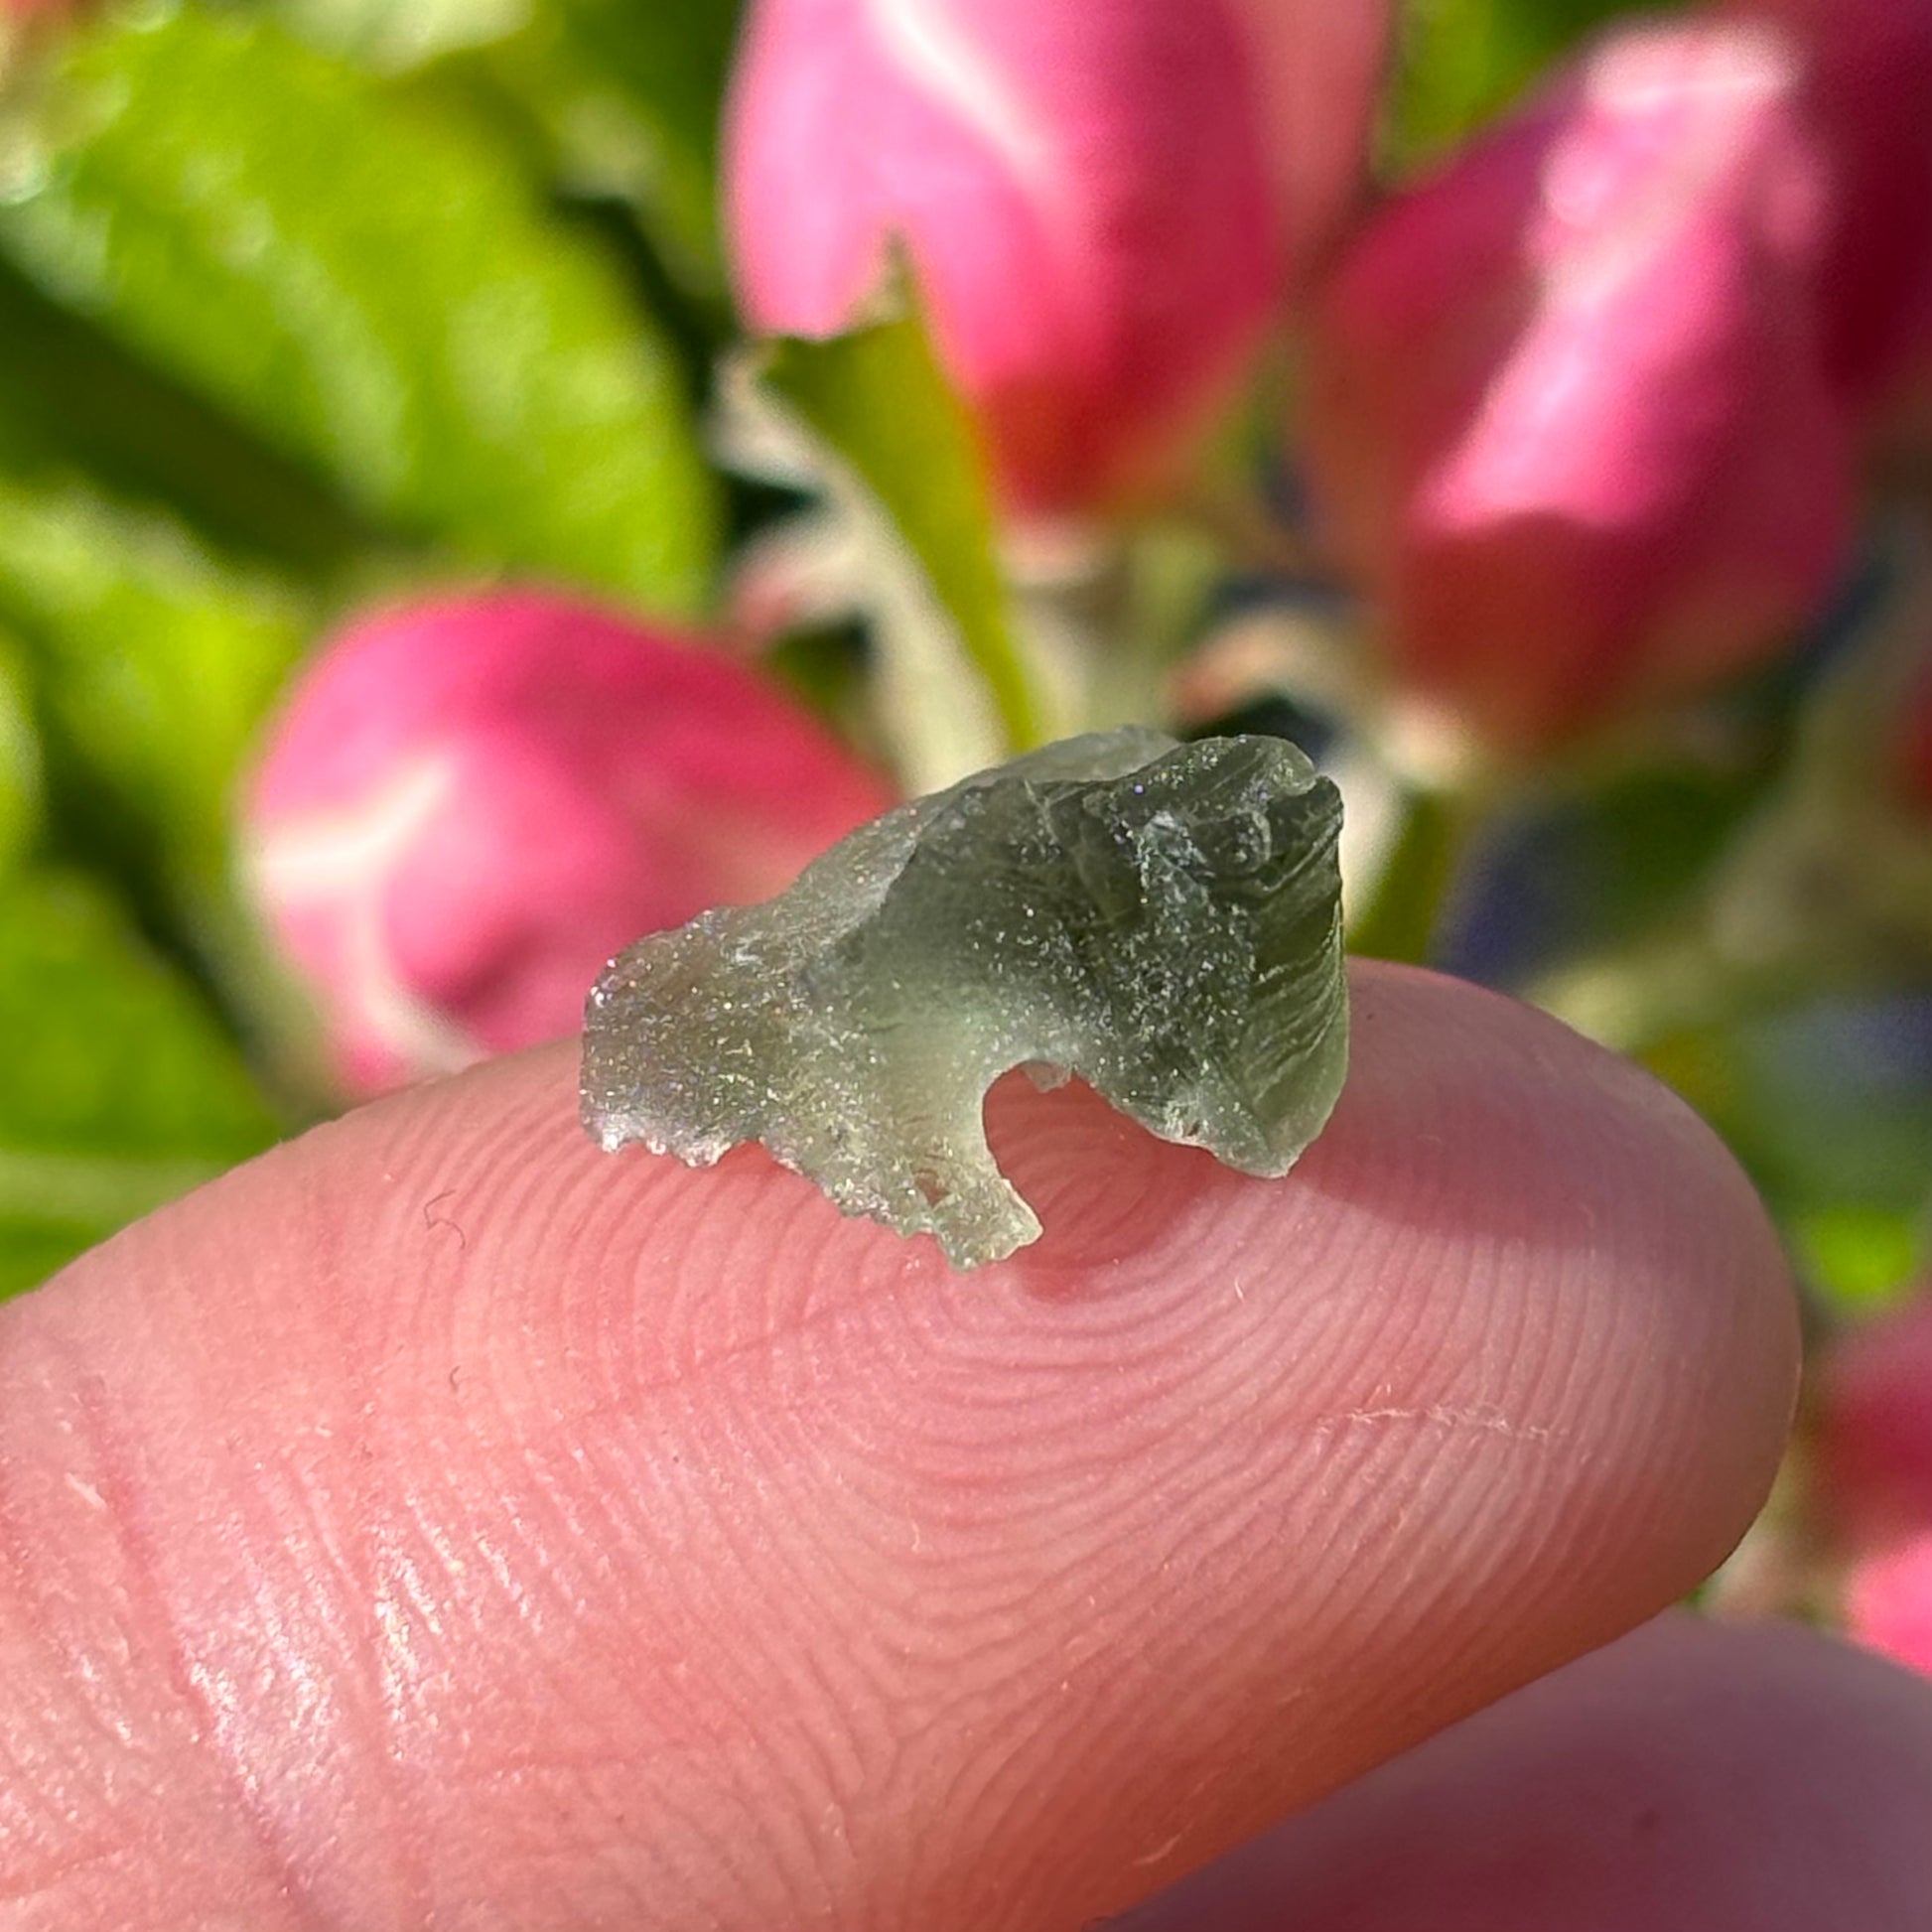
[
  {"x": 1888, "y": 1603},
  {"x": 1875, "y": 1477},
  {"x": 1100, "y": 199},
  {"x": 1868, "y": 92},
  {"x": 467, "y": 805},
  {"x": 1567, "y": 414},
  {"x": 1874, "y": 1444}
]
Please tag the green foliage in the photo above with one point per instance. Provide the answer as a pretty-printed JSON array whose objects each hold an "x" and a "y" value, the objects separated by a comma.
[
  {"x": 135, "y": 667},
  {"x": 667, "y": 66},
  {"x": 1820, "y": 1102},
  {"x": 1862, "y": 1258},
  {"x": 72, "y": 398},
  {"x": 373, "y": 289},
  {"x": 123, "y": 1090},
  {"x": 290, "y": 314},
  {"x": 1464, "y": 60},
  {"x": 153, "y": 661},
  {"x": 20, "y": 764},
  {"x": 393, "y": 34},
  {"x": 878, "y": 400}
]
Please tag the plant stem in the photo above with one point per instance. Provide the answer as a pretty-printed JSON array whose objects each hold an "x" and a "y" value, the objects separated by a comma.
[{"x": 1403, "y": 911}]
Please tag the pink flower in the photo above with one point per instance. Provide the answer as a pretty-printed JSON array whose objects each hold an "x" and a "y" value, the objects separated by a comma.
[
  {"x": 467, "y": 805},
  {"x": 1101, "y": 198},
  {"x": 1875, "y": 1441},
  {"x": 1867, "y": 94},
  {"x": 1875, "y": 1471},
  {"x": 1567, "y": 414},
  {"x": 1888, "y": 1603}
]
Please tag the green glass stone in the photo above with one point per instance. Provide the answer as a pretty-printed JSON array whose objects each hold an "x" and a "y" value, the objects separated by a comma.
[{"x": 1163, "y": 919}]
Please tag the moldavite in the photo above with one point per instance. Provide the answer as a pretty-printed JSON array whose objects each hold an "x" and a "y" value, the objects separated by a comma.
[{"x": 1162, "y": 920}]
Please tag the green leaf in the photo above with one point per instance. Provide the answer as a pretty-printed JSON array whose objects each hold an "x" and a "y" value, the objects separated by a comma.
[
  {"x": 394, "y": 35},
  {"x": 1592, "y": 874},
  {"x": 368, "y": 283},
  {"x": 1402, "y": 907},
  {"x": 1827, "y": 1106},
  {"x": 1464, "y": 60},
  {"x": 664, "y": 68},
  {"x": 122, "y": 1091},
  {"x": 152, "y": 661},
  {"x": 878, "y": 400},
  {"x": 1859, "y": 1257},
  {"x": 73, "y": 398},
  {"x": 19, "y": 762}
]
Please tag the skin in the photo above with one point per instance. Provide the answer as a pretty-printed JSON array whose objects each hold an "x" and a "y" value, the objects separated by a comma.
[
  {"x": 1730, "y": 1780},
  {"x": 441, "y": 1524}
]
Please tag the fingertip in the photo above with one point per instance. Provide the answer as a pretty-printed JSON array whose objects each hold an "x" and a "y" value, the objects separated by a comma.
[{"x": 1225, "y": 1489}]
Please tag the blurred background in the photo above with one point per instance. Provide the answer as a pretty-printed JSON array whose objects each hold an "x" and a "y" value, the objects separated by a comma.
[{"x": 481, "y": 480}]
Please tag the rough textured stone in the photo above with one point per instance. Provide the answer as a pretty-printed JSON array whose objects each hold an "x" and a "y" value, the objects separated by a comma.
[{"x": 1162, "y": 920}]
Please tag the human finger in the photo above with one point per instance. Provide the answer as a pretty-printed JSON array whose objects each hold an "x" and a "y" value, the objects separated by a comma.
[
  {"x": 1733, "y": 1779},
  {"x": 440, "y": 1523}
]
